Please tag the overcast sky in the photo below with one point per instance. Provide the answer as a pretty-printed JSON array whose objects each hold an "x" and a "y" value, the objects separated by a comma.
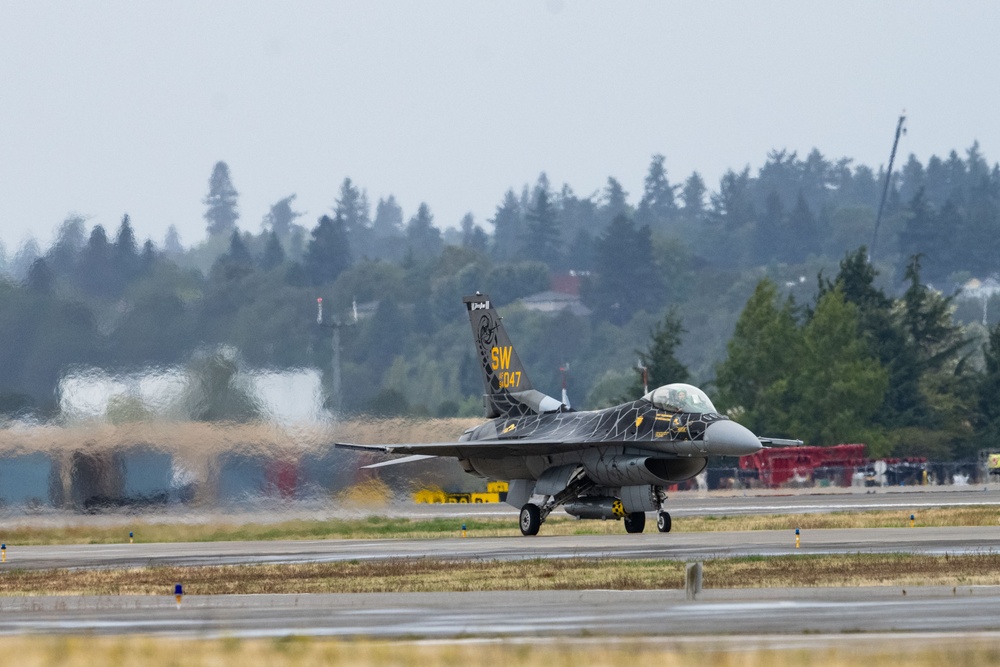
[{"x": 113, "y": 107}]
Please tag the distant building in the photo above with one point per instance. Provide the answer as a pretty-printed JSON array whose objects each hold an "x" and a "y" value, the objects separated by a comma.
[
  {"x": 554, "y": 302},
  {"x": 982, "y": 290},
  {"x": 567, "y": 283},
  {"x": 293, "y": 396}
]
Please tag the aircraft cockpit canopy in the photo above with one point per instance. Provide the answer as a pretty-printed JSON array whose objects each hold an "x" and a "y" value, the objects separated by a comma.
[{"x": 679, "y": 397}]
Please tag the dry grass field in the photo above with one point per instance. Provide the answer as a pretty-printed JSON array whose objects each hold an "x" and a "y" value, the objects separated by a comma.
[
  {"x": 425, "y": 575},
  {"x": 379, "y": 527},
  {"x": 297, "y": 652}
]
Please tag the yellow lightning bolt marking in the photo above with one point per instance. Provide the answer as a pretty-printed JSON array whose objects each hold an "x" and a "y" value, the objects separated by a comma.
[
  {"x": 510, "y": 428},
  {"x": 638, "y": 421}
]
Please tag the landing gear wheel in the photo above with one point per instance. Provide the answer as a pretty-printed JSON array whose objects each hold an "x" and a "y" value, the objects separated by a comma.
[
  {"x": 531, "y": 519},
  {"x": 663, "y": 522},
  {"x": 635, "y": 522}
]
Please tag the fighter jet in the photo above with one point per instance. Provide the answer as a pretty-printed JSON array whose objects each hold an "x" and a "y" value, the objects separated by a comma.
[{"x": 613, "y": 463}]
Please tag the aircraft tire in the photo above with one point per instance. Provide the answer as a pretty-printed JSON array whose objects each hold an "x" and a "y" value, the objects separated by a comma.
[
  {"x": 635, "y": 522},
  {"x": 663, "y": 522},
  {"x": 531, "y": 519}
]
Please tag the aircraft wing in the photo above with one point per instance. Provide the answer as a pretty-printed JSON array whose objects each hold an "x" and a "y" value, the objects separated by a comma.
[{"x": 481, "y": 448}]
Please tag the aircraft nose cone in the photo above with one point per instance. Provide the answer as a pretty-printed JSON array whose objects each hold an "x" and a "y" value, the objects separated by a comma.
[{"x": 727, "y": 438}]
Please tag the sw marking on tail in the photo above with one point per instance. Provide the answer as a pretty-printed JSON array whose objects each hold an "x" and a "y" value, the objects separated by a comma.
[{"x": 507, "y": 390}]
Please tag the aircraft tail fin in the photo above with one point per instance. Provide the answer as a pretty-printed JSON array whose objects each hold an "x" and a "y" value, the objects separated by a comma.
[{"x": 507, "y": 389}]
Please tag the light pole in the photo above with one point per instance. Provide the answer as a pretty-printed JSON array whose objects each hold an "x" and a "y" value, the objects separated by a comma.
[{"x": 335, "y": 325}]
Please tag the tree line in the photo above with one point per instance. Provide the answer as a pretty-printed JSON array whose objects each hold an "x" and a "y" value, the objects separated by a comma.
[{"x": 100, "y": 299}]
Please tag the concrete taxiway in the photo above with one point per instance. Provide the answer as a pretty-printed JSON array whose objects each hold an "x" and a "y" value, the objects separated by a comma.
[
  {"x": 748, "y": 613},
  {"x": 672, "y": 546},
  {"x": 516, "y": 614}
]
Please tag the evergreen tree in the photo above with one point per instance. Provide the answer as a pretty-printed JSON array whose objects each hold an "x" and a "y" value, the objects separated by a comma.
[
  {"x": 980, "y": 239},
  {"x": 329, "y": 252},
  {"x": 237, "y": 263},
  {"x": 771, "y": 239},
  {"x": 541, "y": 243},
  {"x": 507, "y": 228},
  {"x": 124, "y": 256},
  {"x": 172, "y": 243},
  {"x": 627, "y": 279},
  {"x": 615, "y": 200},
  {"x": 580, "y": 256},
  {"x": 801, "y": 237},
  {"x": 928, "y": 323},
  {"x": 923, "y": 233},
  {"x": 945, "y": 383},
  {"x": 95, "y": 266},
  {"x": 422, "y": 237},
  {"x": 473, "y": 235},
  {"x": 40, "y": 278},
  {"x": 352, "y": 208},
  {"x": 987, "y": 419},
  {"x": 762, "y": 354},
  {"x": 880, "y": 329},
  {"x": 222, "y": 212},
  {"x": 64, "y": 253},
  {"x": 657, "y": 206},
  {"x": 148, "y": 257},
  {"x": 274, "y": 254},
  {"x": 838, "y": 385},
  {"x": 575, "y": 216},
  {"x": 693, "y": 199},
  {"x": 281, "y": 218},
  {"x": 660, "y": 358},
  {"x": 388, "y": 219},
  {"x": 911, "y": 179},
  {"x": 732, "y": 206},
  {"x": 733, "y": 218},
  {"x": 25, "y": 256}
]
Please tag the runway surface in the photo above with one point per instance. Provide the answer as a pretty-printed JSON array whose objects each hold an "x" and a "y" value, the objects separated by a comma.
[
  {"x": 788, "y": 614},
  {"x": 805, "y": 501},
  {"x": 672, "y": 546},
  {"x": 516, "y": 614}
]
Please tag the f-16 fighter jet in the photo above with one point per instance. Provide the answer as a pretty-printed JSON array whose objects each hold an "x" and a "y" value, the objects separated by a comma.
[{"x": 597, "y": 464}]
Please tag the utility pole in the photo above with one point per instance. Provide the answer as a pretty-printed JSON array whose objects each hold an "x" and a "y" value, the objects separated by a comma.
[
  {"x": 885, "y": 189},
  {"x": 335, "y": 324}
]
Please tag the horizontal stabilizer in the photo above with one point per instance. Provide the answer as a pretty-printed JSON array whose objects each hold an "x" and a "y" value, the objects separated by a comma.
[
  {"x": 779, "y": 442},
  {"x": 380, "y": 449},
  {"x": 487, "y": 448},
  {"x": 405, "y": 459}
]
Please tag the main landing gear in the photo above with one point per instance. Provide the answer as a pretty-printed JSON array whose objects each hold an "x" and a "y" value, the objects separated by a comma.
[
  {"x": 531, "y": 519},
  {"x": 635, "y": 522}
]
